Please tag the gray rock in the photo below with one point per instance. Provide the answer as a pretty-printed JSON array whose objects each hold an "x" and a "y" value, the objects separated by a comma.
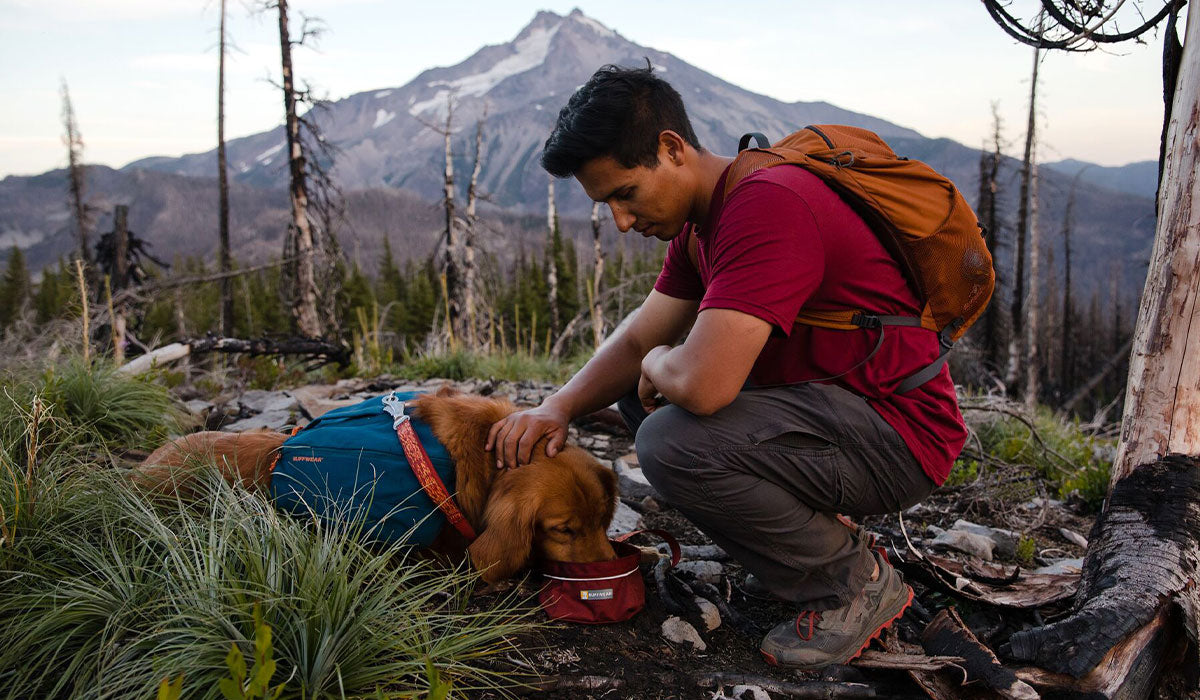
[
  {"x": 743, "y": 692},
  {"x": 1005, "y": 540},
  {"x": 260, "y": 401},
  {"x": 631, "y": 482},
  {"x": 679, "y": 631},
  {"x": 967, "y": 542},
  {"x": 708, "y": 613},
  {"x": 650, "y": 505},
  {"x": 266, "y": 419},
  {"x": 1073, "y": 537},
  {"x": 1039, "y": 503},
  {"x": 1062, "y": 566},
  {"x": 199, "y": 407},
  {"x": 624, "y": 520},
  {"x": 706, "y": 571}
]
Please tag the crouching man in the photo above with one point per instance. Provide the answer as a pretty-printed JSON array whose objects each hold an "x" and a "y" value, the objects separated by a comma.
[{"x": 769, "y": 428}]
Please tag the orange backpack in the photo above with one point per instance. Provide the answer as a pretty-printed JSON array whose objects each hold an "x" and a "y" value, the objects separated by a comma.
[{"x": 918, "y": 215}]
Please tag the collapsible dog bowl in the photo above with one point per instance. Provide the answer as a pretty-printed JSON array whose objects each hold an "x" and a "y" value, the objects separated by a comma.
[{"x": 596, "y": 593}]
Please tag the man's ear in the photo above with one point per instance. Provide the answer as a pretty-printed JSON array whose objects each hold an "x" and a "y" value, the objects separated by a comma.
[
  {"x": 505, "y": 545},
  {"x": 671, "y": 146}
]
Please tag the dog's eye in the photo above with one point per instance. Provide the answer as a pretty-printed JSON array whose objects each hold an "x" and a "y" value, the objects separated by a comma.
[{"x": 562, "y": 529}]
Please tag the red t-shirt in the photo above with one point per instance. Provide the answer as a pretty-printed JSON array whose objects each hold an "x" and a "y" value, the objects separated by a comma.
[{"x": 783, "y": 241}]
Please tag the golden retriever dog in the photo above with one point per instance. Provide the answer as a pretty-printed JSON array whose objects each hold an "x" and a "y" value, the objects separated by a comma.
[{"x": 553, "y": 508}]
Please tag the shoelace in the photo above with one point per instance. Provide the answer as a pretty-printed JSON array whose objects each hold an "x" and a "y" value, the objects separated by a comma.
[{"x": 813, "y": 617}]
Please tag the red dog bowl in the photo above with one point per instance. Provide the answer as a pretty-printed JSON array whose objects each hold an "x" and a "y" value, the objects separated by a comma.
[{"x": 596, "y": 593}]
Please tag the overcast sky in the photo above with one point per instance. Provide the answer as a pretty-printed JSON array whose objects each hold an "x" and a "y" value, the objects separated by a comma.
[{"x": 142, "y": 73}]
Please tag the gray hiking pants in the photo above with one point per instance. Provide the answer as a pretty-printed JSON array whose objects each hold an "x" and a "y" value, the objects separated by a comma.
[{"x": 766, "y": 476}]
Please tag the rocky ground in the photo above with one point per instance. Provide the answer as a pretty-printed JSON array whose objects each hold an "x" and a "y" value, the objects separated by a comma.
[{"x": 1002, "y": 560}]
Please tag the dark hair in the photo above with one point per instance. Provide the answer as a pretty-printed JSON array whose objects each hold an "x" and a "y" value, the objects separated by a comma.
[{"x": 618, "y": 112}]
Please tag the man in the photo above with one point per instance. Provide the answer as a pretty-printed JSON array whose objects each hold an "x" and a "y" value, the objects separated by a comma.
[{"x": 771, "y": 428}]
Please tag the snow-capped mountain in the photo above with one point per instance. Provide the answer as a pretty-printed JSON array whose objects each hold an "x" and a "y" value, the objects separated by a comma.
[{"x": 384, "y": 140}]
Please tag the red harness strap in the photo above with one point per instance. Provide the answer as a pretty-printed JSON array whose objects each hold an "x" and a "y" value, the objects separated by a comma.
[{"x": 422, "y": 467}]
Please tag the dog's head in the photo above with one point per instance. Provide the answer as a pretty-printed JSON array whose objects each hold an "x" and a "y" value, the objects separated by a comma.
[{"x": 553, "y": 508}]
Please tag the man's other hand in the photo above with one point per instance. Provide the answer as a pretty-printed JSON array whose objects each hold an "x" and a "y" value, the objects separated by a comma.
[
  {"x": 647, "y": 393},
  {"x": 513, "y": 437}
]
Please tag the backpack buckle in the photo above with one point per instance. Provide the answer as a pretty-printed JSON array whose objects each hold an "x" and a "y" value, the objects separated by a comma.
[
  {"x": 866, "y": 321},
  {"x": 394, "y": 407}
]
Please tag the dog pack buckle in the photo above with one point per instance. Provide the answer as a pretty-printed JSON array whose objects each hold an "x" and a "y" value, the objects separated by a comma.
[{"x": 395, "y": 408}]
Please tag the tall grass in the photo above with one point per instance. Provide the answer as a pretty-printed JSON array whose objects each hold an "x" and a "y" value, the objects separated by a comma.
[
  {"x": 104, "y": 592},
  {"x": 512, "y": 366}
]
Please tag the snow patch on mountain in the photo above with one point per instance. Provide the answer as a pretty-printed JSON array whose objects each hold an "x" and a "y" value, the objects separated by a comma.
[
  {"x": 265, "y": 156},
  {"x": 382, "y": 94},
  {"x": 530, "y": 53},
  {"x": 425, "y": 105},
  {"x": 382, "y": 117},
  {"x": 593, "y": 25}
]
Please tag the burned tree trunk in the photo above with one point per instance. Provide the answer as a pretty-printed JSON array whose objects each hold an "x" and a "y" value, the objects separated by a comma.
[
  {"x": 302, "y": 247},
  {"x": 1144, "y": 555},
  {"x": 224, "y": 257}
]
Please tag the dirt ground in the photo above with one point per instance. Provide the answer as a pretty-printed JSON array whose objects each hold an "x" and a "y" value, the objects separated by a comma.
[{"x": 633, "y": 659}]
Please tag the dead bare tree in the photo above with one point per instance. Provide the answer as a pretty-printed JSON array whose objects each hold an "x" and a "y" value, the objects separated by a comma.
[
  {"x": 225, "y": 258},
  {"x": 1034, "y": 303},
  {"x": 76, "y": 177},
  {"x": 552, "y": 260},
  {"x": 1017, "y": 313},
  {"x": 470, "y": 240},
  {"x": 989, "y": 194},
  {"x": 1067, "y": 356},
  {"x": 1138, "y": 586},
  {"x": 300, "y": 241},
  {"x": 597, "y": 279}
]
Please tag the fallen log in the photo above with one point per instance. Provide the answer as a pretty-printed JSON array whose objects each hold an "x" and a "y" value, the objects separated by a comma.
[{"x": 322, "y": 352}]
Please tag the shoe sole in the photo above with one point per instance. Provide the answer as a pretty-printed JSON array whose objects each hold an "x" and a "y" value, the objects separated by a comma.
[{"x": 870, "y": 638}]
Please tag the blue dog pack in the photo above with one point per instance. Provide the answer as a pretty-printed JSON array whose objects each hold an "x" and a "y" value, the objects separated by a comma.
[{"x": 348, "y": 464}]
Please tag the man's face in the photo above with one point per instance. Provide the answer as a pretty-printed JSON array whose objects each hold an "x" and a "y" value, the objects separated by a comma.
[{"x": 652, "y": 201}]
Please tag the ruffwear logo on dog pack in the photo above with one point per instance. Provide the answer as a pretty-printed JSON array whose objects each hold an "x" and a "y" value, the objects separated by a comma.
[
  {"x": 305, "y": 458},
  {"x": 597, "y": 594}
]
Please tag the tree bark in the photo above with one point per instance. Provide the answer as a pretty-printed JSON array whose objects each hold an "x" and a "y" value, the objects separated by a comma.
[
  {"x": 1145, "y": 545},
  {"x": 304, "y": 305},
  {"x": 225, "y": 259}
]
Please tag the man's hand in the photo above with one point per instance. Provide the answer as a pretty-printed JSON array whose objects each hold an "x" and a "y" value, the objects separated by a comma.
[{"x": 514, "y": 436}]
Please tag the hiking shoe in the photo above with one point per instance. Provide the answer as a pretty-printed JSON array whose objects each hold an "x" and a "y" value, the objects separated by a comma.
[{"x": 817, "y": 639}]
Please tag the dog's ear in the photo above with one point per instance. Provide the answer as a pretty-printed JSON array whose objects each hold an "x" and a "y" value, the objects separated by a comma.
[
  {"x": 505, "y": 545},
  {"x": 608, "y": 479},
  {"x": 447, "y": 390}
]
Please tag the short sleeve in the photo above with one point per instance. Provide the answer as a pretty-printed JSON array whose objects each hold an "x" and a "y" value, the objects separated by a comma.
[
  {"x": 679, "y": 277},
  {"x": 766, "y": 255}
]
